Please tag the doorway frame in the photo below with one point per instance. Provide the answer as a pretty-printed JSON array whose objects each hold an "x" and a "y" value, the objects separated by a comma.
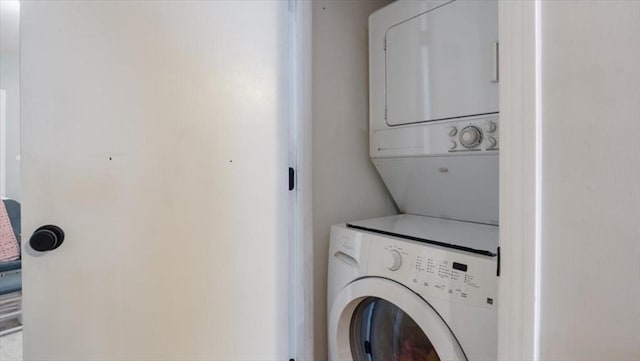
[
  {"x": 520, "y": 179},
  {"x": 301, "y": 291},
  {"x": 520, "y": 183}
]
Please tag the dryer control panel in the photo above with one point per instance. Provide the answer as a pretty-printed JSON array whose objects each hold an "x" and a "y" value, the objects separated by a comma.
[
  {"x": 434, "y": 271},
  {"x": 473, "y": 135}
]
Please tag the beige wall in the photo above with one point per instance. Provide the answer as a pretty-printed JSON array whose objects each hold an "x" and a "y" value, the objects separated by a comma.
[
  {"x": 345, "y": 184},
  {"x": 590, "y": 284}
]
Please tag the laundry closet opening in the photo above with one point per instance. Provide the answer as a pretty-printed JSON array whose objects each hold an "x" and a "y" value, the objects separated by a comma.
[{"x": 425, "y": 278}]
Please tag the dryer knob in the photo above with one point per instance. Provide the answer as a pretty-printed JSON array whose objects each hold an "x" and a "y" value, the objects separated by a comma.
[
  {"x": 470, "y": 137},
  {"x": 492, "y": 127},
  {"x": 393, "y": 260},
  {"x": 453, "y": 131}
]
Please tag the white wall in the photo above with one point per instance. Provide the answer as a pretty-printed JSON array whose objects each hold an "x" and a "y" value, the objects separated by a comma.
[
  {"x": 346, "y": 186},
  {"x": 10, "y": 81},
  {"x": 590, "y": 249}
]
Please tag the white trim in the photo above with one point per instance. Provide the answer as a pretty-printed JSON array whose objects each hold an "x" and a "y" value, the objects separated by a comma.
[
  {"x": 301, "y": 282},
  {"x": 538, "y": 182},
  {"x": 520, "y": 188}
]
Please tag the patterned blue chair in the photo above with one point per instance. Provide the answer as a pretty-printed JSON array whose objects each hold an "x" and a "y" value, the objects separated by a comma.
[{"x": 11, "y": 280}]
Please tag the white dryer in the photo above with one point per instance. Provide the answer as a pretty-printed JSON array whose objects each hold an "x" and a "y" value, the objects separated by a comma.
[
  {"x": 433, "y": 106},
  {"x": 426, "y": 290}
]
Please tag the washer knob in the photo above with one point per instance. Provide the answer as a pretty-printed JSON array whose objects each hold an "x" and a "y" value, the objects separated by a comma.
[
  {"x": 470, "y": 137},
  {"x": 493, "y": 142},
  {"x": 492, "y": 127},
  {"x": 393, "y": 260},
  {"x": 453, "y": 131},
  {"x": 453, "y": 145}
]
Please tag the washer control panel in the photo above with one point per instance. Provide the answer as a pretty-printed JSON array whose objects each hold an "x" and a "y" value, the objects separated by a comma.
[{"x": 434, "y": 271}]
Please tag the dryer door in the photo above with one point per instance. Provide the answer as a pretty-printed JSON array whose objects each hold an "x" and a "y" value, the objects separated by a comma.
[
  {"x": 443, "y": 63},
  {"x": 376, "y": 319}
]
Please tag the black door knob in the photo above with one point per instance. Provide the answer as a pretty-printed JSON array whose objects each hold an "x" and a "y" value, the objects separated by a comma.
[{"x": 47, "y": 238}]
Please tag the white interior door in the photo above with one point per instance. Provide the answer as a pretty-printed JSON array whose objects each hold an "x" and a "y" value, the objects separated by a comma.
[{"x": 155, "y": 134}]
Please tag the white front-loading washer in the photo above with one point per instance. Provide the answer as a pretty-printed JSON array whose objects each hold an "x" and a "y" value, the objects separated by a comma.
[{"x": 414, "y": 288}]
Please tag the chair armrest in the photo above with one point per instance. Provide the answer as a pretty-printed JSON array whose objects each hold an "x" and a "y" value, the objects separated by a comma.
[{"x": 10, "y": 265}]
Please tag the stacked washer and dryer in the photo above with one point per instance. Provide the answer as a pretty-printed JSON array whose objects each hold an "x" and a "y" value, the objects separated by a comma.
[{"x": 423, "y": 284}]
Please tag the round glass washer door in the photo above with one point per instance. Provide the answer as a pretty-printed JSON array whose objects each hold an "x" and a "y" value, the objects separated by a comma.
[
  {"x": 381, "y": 330},
  {"x": 375, "y": 319}
]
